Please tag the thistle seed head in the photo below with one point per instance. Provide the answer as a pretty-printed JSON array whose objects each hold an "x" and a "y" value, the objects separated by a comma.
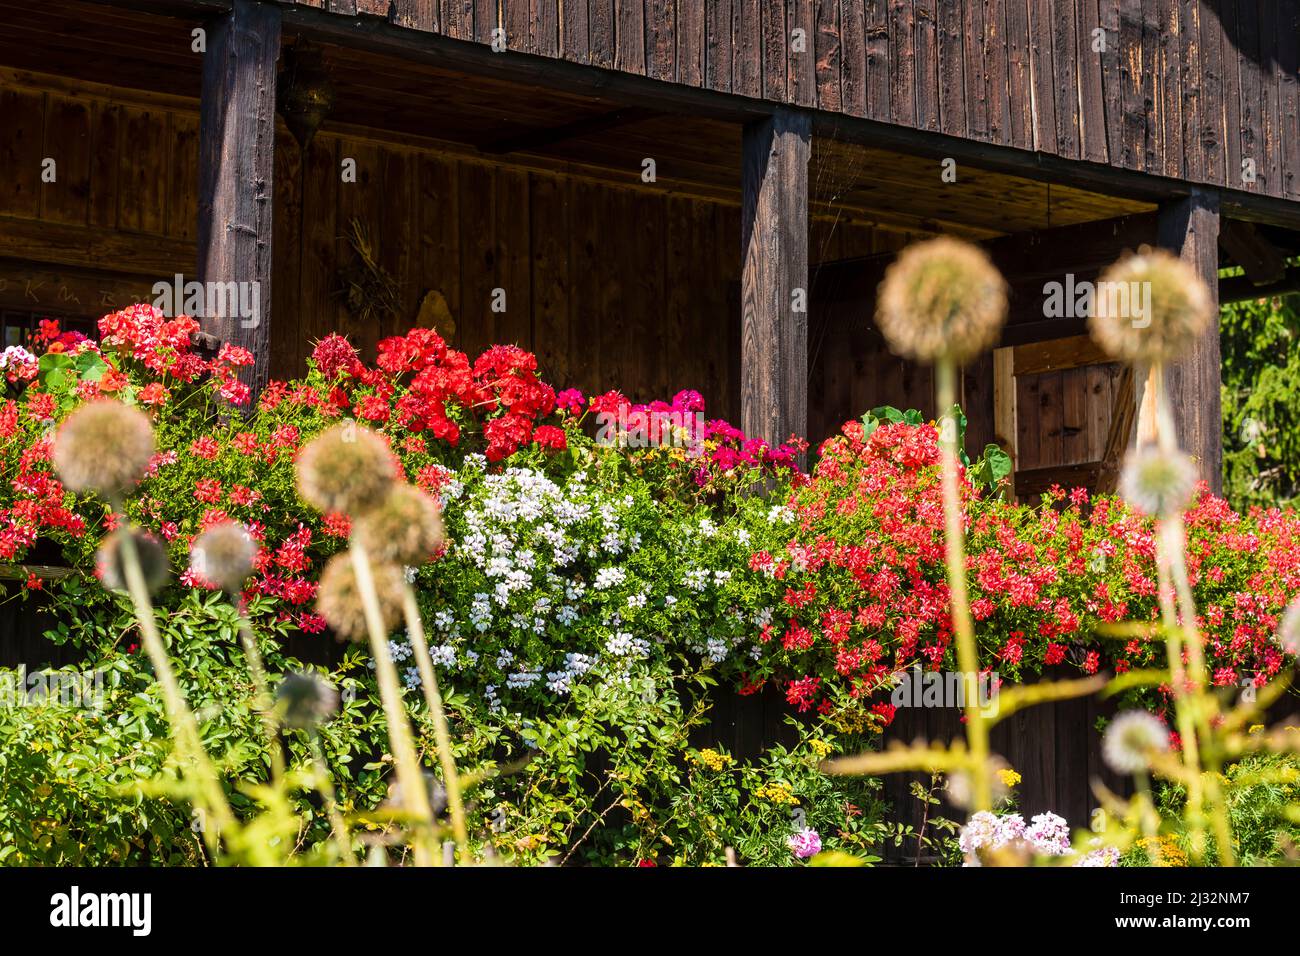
[
  {"x": 105, "y": 447},
  {"x": 153, "y": 560},
  {"x": 1158, "y": 483},
  {"x": 941, "y": 299},
  {"x": 223, "y": 555},
  {"x": 405, "y": 528},
  {"x": 346, "y": 468},
  {"x": 1131, "y": 739},
  {"x": 339, "y": 597},
  {"x": 305, "y": 700},
  {"x": 1149, "y": 307}
]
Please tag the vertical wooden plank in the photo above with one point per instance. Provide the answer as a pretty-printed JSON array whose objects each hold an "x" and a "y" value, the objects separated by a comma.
[
  {"x": 1189, "y": 80},
  {"x": 1270, "y": 114},
  {"x": 1171, "y": 90},
  {"x": 106, "y": 141},
  {"x": 829, "y": 50},
  {"x": 1051, "y": 399},
  {"x": 645, "y": 263},
  {"x": 1074, "y": 416},
  {"x": 629, "y": 36},
  {"x": 514, "y": 266},
  {"x": 1213, "y": 114},
  {"x": 395, "y": 233},
  {"x": 975, "y": 84},
  {"x": 1134, "y": 125},
  {"x": 1288, "y": 56},
  {"x": 360, "y": 202},
  {"x": 318, "y": 306},
  {"x": 774, "y": 256},
  {"x": 237, "y": 170},
  {"x": 996, "y": 65},
  {"x": 67, "y": 142},
  {"x": 1065, "y": 76},
  {"x": 415, "y": 14},
  {"x": 1252, "y": 92},
  {"x": 1019, "y": 86},
  {"x": 926, "y": 52},
  {"x": 478, "y": 257},
  {"x": 183, "y": 176},
  {"x": 853, "y": 58},
  {"x": 1232, "y": 109},
  {"x": 1099, "y": 398},
  {"x": 878, "y": 62},
  {"x": 141, "y": 176},
  {"x": 1092, "y": 116},
  {"x": 691, "y": 43},
  {"x": 545, "y": 27},
  {"x": 1029, "y": 436},
  {"x": 585, "y": 240},
  {"x": 437, "y": 254},
  {"x": 747, "y": 63},
  {"x": 661, "y": 40},
  {"x": 1041, "y": 80},
  {"x": 487, "y": 17},
  {"x": 776, "y": 51},
  {"x": 517, "y": 19},
  {"x": 952, "y": 78},
  {"x": 601, "y": 32},
  {"x": 1152, "y": 104},
  {"x": 977, "y": 401},
  {"x": 574, "y": 45},
  {"x": 681, "y": 306},
  {"x": 287, "y": 254},
  {"x": 457, "y": 18},
  {"x": 1005, "y": 430},
  {"x": 902, "y": 63},
  {"x": 1190, "y": 227},
  {"x": 549, "y": 246},
  {"x": 1112, "y": 78},
  {"x": 718, "y": 48}
]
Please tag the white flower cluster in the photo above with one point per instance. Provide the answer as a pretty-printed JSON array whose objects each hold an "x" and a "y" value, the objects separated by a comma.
[{"x": 1047, "y": 834}]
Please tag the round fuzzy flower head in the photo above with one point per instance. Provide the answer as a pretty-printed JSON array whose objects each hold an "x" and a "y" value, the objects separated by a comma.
[
  {"x": 345, "y": 468},
  {"x": 1158, "y": 483},
  {"x": 1288, "y": 631},
  {"x": 405, "y": 527},
  {"x": 105, "y": 447},
  {"x": 305, "y": 700},
  {"x": 152, "y": 554},
  {"x": 1149, "y": 307},
  {"x": 1131, "y": 739},
  {"x": 339, "y": 598},
  {"x": 223, "y": 555},
  {"x": 941, "y": 299}
]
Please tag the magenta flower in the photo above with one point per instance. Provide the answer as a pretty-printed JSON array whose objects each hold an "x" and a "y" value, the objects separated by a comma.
[
  {"x": 805, "y": 843},
  {"x": 571, "y": 400}
]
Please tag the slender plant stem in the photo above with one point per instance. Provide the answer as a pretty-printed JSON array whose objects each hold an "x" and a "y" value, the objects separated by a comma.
[
  {"x": 325, "y": 783},
  {"x": 261, "y": 695},
  {"x": 415, "y": 796},
  {"x": 185, "y": 729},
  {"x": 429, "y": 681},
  {"x": 977, "y": 732}
]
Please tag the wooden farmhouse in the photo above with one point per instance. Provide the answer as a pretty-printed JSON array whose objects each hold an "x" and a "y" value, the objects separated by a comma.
[{"x": 661, "y": 194}]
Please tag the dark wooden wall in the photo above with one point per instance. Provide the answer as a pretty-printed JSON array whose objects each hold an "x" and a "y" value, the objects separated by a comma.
[{"x": 1184, "y": 88}]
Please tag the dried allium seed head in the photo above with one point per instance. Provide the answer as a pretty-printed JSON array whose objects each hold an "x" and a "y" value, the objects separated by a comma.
[
  {"x": 223, "y": 555},
  {"x": 339, "y": 598},
  {"x": 961, "y": 788},
  {"x": 1288, "y": 631},
  {"x": 105, "y": 447},
  {"x": 1158, "y": 483},
  {"x": 305, "y": 700},
  {"x": 346, "y": 468},
  {"x": 405, "y": 527},
  {"x": 1150, "y": 307},
  {"x": 152, "y": 554},
  {"x": 1131, "y": 739},
  {"x": 941, "y": 299}
]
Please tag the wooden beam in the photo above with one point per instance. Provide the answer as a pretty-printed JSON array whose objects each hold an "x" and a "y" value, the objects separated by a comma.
[
  {"x": 236, "y": 168},
  {"x": 1120, "y": 435},
  {"x": 1241, "y": 289},
  {"x": 1258, "y": 257},
  {"x": 1004, "y": 409},
  {"x": 774, "y": 276},
  {"x": 540, "y": 138},
  {"x": 1190, "y": 227},
  {"x": 93, "y": 247}
]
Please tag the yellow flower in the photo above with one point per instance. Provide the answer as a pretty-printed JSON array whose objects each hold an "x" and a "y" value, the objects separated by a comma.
[
  {"x": 1255, "y": 729},
  {"x": 710, "y": 758},
  {"x": 1008, "y": 777},
  {"x": 820, "y": 747},
  {"x": 777, "y": 793},
  {"x": 1163, "y": 851}
]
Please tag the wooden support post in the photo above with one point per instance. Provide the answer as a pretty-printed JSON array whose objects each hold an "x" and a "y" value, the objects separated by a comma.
[
  {"x": 236, "y": 162},
  {"x": 1190, "y": 227},
  {"x": 774, "y": 276}
]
